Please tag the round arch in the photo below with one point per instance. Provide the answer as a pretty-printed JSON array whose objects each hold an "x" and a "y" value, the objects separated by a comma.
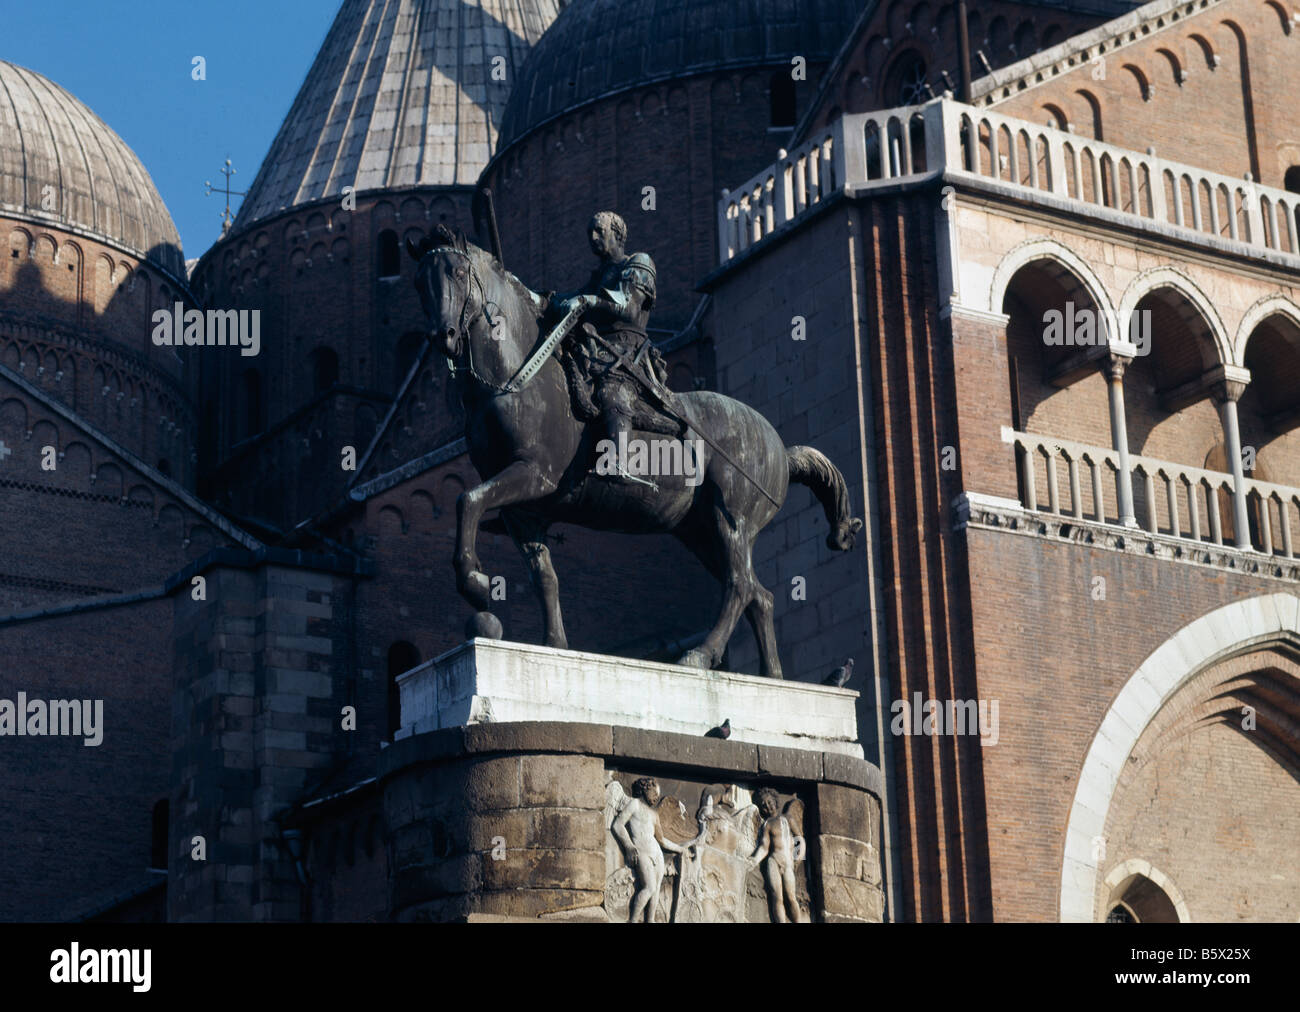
[
  {"x": 1229, "y": 630},
  {"x": 1045, "y": 249},
  {"x": 1170, "y": 277}
]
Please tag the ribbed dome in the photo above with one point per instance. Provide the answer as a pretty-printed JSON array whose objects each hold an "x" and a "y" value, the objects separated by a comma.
[
  {"x": 49, "y": 138},
  {"x": 599, "y": 47},
  {"x": 400, "y": 94}
]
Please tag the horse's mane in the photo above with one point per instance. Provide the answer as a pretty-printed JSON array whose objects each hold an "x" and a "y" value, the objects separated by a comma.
[{"x": 444, "y": 238}]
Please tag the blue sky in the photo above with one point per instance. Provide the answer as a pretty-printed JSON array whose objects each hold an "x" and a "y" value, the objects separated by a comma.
[{"x": 131, "y": 64}]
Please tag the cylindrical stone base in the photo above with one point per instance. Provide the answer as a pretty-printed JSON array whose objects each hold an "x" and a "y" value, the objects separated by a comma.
[{"x": 538, "y": 821}]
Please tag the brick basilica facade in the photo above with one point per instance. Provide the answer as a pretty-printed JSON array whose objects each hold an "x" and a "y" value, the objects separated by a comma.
[{"x": 1100, "y": 536}]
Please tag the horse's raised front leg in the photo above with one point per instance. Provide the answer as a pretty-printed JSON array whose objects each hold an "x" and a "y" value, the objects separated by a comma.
[
  {"x": 530, "y": 537},
  {"x": 520, "y": 482}
]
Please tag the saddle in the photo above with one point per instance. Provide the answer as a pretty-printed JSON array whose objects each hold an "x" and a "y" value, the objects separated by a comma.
[{"x": 582, "y": 388}]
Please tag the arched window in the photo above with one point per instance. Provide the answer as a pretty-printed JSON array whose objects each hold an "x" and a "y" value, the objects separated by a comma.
[
  {"x": 782, "y": 94},
  {"x": 324, "y": 369},
  {"x": 1094, "y": 107},
  {"x": 252, "y": 403},
  {"x": 402, "y": 657},
  {"x": 158, "y": 835},
  {"x": 1055, "y": 117},
  {"x": 1121, "y": 915},
  {"x": 390, "y": 255},
  {"x": 1292, "y": 182}
]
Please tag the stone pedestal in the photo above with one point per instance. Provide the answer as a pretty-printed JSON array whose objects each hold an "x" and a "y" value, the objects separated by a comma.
[
  {"x": 524, "y": 819},
  {"x": 491, "y": 681}
]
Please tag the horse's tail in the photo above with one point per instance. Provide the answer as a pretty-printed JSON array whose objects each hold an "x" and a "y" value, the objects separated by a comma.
[{"x": 813, "y": 469}]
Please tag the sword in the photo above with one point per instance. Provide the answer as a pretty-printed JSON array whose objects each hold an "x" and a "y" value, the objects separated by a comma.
[{"x": 535, "y": 362}]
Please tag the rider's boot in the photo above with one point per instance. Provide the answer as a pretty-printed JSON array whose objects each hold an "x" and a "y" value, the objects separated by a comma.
[{"x": 620, "y": 431}]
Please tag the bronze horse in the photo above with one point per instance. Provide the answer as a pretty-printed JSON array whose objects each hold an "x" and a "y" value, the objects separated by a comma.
[{"x": 537, "y": 458}]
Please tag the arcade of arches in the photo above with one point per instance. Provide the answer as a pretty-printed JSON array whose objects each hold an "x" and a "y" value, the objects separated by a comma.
[{"x": 1186, "y": 410}]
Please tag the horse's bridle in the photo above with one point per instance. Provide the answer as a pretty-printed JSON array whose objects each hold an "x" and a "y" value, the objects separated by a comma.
[
  {"x": 535, "y": 361},
  {"x": 464, "y": 324}
]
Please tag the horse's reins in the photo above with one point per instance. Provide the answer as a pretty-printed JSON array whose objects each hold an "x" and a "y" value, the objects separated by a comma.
[
  {"x": 533, "y": 365},
  {"x": 535, "y": 361}
]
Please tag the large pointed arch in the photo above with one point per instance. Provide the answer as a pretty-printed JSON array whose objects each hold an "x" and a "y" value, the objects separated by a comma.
[{"x": 1232, "y": 629}]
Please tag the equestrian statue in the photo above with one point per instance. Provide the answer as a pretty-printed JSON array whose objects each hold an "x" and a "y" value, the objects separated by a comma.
[{"x": 552, "y": 386}]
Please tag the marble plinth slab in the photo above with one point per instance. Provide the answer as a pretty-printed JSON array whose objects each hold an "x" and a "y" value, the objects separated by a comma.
[{"x": 493, "y": 681}]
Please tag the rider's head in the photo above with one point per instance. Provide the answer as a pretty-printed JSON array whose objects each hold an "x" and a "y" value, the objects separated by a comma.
[{"x": 608, "y": 233}]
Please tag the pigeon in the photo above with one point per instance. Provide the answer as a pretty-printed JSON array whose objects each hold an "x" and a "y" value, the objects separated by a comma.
[
  {"x": 720, "y": 732},
  {"x": 840, "y": 676}
]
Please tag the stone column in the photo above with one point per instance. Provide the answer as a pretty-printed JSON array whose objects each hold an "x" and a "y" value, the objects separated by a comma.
[
  {"x": 1113, "y": 366},
  {"x": 1226, "y": 394}
]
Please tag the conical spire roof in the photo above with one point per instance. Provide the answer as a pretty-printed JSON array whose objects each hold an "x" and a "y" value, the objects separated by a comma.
[{"x": 402, "y": 93}]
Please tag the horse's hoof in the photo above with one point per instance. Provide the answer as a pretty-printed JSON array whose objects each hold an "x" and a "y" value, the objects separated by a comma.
[
  {"x": 695, "y": 659},
  {"x": 484, "y": 625},
  {"x": 477, "y": 589}
]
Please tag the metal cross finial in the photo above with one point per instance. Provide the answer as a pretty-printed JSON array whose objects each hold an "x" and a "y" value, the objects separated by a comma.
[{"x": 227, "y": 219}]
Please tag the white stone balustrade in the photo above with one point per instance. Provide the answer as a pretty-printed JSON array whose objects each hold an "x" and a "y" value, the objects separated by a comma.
[
  {"x": 881, "y": 147},
  {"x": 1075, "y": 480},
  {"x": 1037, "y": 163}
]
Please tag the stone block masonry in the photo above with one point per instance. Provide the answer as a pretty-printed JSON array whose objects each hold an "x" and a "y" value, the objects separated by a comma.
[
  {"x": 263, "y": 672},
  {"x": 509, "y": 821}
]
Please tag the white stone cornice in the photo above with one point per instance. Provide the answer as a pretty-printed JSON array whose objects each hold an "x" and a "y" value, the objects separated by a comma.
[
  {"x": 972, "y": 509},
  {"x": 971, "y": 313}
]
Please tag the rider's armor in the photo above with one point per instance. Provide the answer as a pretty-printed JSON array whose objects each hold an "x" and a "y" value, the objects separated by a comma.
[{"x": 614, "y": 338}]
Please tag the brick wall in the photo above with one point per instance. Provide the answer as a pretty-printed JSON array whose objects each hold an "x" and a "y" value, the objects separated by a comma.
[
  {"x": 65, "y": 554},
  {"x": 346, "y": 859},
  {"x": 79, "y": 328},
  {"x": 1205, "y": 804},
  {"x": 1055, "y": 657},
  {"x": 76, "y": 822},
  {"x": 809, "y": 390},
  {"x": 881, "y": 393},
  {"x": 1004, "y": 32},
  {"x": 315, "y": 275},
  {"x": 1236, "y": 96}
]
